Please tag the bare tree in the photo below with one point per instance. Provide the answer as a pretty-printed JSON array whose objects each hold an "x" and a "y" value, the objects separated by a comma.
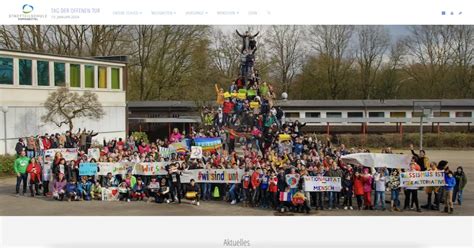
[
  {"x": 63, "y": 107},
  {"x": 286, "y": 54},
  {"x": 373, "y": 42},
  {"x": 431, "y": 51},
  {"x": 463, "y": 60},
  {"x": 224, "y": 52},
  {"x": 331, "y": 44}
]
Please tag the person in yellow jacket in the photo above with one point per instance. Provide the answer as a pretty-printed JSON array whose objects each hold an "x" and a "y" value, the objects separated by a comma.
[
  {"x": 432, "y": 190},
  {"x": 220, "y": 95}
]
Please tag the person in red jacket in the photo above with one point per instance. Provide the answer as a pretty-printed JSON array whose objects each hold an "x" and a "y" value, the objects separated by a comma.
[
  {"x": 227, "y": 110},
  {"x": 358, "y": 189},
  {"x": 273, "y": 189},
  {"x": 255, "y": 181},
  {"x": 34, "y": 171}
]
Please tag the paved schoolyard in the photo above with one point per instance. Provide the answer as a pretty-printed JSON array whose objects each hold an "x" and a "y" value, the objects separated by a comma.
[{"x": 25, "y": 205}]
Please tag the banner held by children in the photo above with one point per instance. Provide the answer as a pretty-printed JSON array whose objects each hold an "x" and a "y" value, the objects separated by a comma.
[
  {"x": 67, "y": 153},
  {"x": 212, "y": 176},
  {"x": 208, "y": 144},
  {"x": 378, "y": 160},
  {"x": 422, "y": 178},
  {"x": 150, "y": 169},
  {"x": 321, "y": 184}
]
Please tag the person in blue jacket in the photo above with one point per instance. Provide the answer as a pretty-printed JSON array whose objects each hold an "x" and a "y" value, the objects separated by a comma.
[
  {"x": 450, "y": 181},
  {"x": 84, "y": 189}
]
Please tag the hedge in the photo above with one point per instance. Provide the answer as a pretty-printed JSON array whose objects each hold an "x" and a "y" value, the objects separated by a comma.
[
  {"x": 430, "y": 140},
  {"x": 6, "y": 165}
]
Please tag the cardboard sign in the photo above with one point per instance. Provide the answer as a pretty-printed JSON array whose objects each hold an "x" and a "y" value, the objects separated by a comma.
[
  {"x": 322, "y": 184},
  {"x": 110, "y": 194},
  {"x": 87, "y": 169},
  {"x": 196, "y": 152},
  {"x": 150, "y": 169},
  {"x": 422, "y": 178},
  {"x": 114, "y": 168},
  {"x": 292, "y": 180},
  {"x": 93, "y": 153}
]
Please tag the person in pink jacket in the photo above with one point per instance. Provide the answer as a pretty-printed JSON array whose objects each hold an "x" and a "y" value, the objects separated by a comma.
[
  {"x": 175, "y": 136},
  {"x": 367, "y": 181}
]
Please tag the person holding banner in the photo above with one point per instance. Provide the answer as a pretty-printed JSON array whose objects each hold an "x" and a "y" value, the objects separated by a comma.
[
  {"x": 358, "y": 189},
  {"x": 367, "y": 187},
  {"x": 174, "y": 177},
  {"x": 394, "y": 186},
  {"x": 380, "y": 181},
  {"x": 411, "y": 192},
  {"x": 432, "y": 190}
]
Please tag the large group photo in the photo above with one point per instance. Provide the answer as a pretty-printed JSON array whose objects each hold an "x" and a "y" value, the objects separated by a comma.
[{"x": 236, "y": 120}]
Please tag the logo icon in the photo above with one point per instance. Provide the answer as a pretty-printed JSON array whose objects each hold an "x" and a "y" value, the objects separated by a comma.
[{"x": 27, "y": 8}]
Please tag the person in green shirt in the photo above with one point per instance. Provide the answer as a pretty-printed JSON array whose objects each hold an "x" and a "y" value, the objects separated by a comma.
[{"x": 20, "y": 165}]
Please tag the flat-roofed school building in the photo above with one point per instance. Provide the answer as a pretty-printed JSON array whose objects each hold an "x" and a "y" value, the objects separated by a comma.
[{"x": 26, "y": 79}]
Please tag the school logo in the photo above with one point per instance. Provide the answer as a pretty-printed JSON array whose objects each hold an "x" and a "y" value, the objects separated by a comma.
[{"x": 27, "y": 8}]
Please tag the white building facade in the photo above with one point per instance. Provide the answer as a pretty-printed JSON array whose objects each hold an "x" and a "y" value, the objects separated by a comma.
[{"x": 26, "y": 79}]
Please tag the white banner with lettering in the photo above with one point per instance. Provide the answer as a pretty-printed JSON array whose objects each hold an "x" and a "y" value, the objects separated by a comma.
[
  {"x": 378, "y": 160},
  {"x": 321, "y": 184}
]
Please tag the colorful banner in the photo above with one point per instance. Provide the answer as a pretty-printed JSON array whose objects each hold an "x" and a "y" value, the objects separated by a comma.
[
  {"x": 166, "y": 152},
  {"x": 67, "y": 153},
  {"x": 292, "y": 180},
  {"x": 422, "y": 179},
  {"x": 321, "y": 184},
  {"x": 212, "y": 176},
  {"x": 114, "y": 168},
  {"x": 93, "y": 153},
  {"x": 110, "y": 194},
  {"x": 378, "y": 160},
  {"x": 87, "y": 169},
  {"x": 150, "y": 169},
  {"x": 208, "y": 143},
  {"x": 196, "y": 152}
]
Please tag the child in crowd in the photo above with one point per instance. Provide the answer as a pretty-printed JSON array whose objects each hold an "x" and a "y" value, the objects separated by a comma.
[
  {"x": 59, "y": 187},
  {"x": 96, "y": 191},
  {"x": 71, "y": 190},
  {"x": 367, "y": 187},
  {"x": 264, "y": 189},
  {"x": 46, "y": 171},
  {"x": 273, "y": 189},
  {"x": 448, "y": 191},
  {"x": 34, "y": 171},
  {"x": 394, "y": 187},
  {"x": 347, "y": 188},
  {"x": 192, "y": 192},
  {"x": 380, "y": 181},
  {"x": 358, "y": 189},
  {"x": 124, "y": 192},
  {"x": 164, "y": 193},
  {"x": 138, "y": 192},
  {"x": 153, "y": 189},
  {"x": 246, "y": 179},
  {"x": 84, "y": 189},
  {"x": 461, "y": 181}
]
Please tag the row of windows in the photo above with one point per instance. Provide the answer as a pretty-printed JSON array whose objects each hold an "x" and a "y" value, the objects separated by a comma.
[
  {"x": 25, "y": 74},
  {"x": 372, "y": 114}
]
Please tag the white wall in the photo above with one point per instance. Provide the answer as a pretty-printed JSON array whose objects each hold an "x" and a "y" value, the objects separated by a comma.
[{"x": 25, "y": 111}]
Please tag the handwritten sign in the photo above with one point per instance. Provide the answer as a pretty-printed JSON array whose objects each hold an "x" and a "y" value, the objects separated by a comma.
[
  {"x": 196, "y": 152},
  {"x": 422, "y": 178},
  {"x": 292, "y": 180},
  {"x": 212, "y": 176},
  {"x": 322, "y": 184},
  {"x": 67, "y": 153},
  {"x": 87, "y": 169}
]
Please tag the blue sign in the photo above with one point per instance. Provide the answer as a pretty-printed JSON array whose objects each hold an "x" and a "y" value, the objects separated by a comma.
[{"x": 87, "y": 169}]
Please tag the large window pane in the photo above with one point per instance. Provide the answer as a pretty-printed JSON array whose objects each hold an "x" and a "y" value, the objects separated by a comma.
[
  {"x": 89, "y": 76},
  {"x": 115, "y": 78},
  {"x": 59, "y": 74},
  {"x": 6, "y": 71},
  {"x": 102, "y": 77},
  {"x": 25, "y": 71},
  {"x": 43, "y": 73},
  {"x": 75, "y": 75}
]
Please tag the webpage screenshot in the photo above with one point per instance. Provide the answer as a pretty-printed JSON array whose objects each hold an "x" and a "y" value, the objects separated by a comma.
[{"x": 236, "y": 123}]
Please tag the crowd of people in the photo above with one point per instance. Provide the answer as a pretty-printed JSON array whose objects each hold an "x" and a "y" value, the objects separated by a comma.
[{"x": 255, "y": 138}]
